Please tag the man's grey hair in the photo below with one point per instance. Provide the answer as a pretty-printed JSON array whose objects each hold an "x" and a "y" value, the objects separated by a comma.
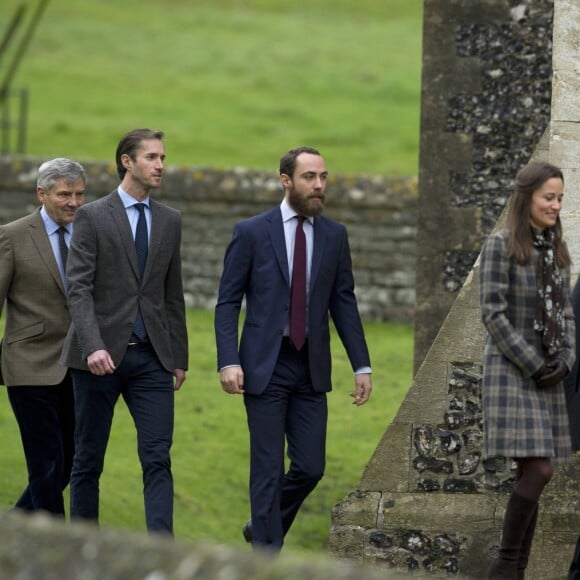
[{"x": 60, "y": 168}]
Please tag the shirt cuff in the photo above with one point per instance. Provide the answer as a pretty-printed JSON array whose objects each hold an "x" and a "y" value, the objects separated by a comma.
[{"x": 228, "y": 367}]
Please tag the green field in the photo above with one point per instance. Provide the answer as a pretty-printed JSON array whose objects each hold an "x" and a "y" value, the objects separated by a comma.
[
  {"x": 210, "y": 452},
  {"x": 232, "y": 83}
]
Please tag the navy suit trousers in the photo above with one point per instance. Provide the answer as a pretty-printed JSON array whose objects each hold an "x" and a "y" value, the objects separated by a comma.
[
  {"x": 147, "y": 389},
  {"x": 45, "y": 416},
  {"x": 574, "y": 572},
  {"x": 288, "y": 412}
]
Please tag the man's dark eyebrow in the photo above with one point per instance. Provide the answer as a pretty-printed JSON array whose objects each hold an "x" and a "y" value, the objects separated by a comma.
[{"x": 314, "y": 173}]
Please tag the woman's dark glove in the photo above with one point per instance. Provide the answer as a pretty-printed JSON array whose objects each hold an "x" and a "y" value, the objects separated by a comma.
[
  {"x": 541, "y": 372},
  {"x": 551, "y": 373}
]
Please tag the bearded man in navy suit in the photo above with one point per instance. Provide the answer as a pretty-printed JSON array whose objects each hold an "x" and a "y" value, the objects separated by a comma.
[{"x": 282, "y": 365}]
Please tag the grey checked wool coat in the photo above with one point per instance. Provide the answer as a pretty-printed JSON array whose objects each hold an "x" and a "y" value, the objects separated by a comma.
[{"x": 520, "y": 419}]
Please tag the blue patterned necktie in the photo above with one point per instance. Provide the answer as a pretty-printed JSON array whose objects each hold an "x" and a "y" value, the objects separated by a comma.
[
  {"x": 62, "y": 247},
  {"x": 142, "y": 248}
]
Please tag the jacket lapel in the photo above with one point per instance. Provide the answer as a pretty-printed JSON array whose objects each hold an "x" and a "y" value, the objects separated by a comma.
[
  {"x": 279, "y": 242},
  {"x": 318, "y": 250},
  {"x": 121, "y": 221},
  {"x": 42, "y": 243},
  {"x": 155, "y": 235}
]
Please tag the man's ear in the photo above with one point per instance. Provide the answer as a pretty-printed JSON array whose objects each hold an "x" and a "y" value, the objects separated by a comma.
[
  {"x": 40, "y": 193},
  {"x": 285, "y": 180},
  {"x": 126, "y": 161}
]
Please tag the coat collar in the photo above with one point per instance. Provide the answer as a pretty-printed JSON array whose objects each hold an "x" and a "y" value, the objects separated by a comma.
[
  {"x": 274, "y": 217},
  {"x": 121, "y": 221},
  {"x": 276, "y": 227},
  {"x": 119, "y": 216},
  {"x": 318, "y": 249},
  {"x": 42, "y": 243}
]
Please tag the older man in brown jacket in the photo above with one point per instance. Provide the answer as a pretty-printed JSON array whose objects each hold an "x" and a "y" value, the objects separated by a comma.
[{"x": 33, "y": 253}]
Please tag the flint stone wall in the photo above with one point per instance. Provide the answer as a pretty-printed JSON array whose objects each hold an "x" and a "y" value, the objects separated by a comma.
[
  {"x": 427, "y": 502},
  {"x": 487, "y": 67},
  {"x": 379, "y": 212}
]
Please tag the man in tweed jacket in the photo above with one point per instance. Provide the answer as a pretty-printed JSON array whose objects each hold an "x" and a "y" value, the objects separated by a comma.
[
  {"x": 32, "y": 285},
  {"x": 128, "y": 335}
]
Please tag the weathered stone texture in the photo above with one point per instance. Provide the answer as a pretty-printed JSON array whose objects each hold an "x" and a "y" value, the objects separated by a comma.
[
  {"x": 380, "y": 214},
  {"x": 364, "y": 506},
  {"x": 452, "y": 491},
  {"x": 487, "y": 70},
  {"x": 434, "y": 483}
]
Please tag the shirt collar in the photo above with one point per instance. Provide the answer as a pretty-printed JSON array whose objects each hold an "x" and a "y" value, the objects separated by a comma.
[
  {"x": 288, "y": 212},
  {"x": 129, "y": 200},
  {"x": 50, "y": 225}
]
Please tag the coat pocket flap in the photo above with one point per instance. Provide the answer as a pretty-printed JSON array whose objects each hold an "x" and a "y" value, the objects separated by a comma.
[{"x": 24, "y": 333}]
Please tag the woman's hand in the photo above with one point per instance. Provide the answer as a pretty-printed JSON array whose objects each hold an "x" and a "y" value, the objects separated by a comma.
[{"x": 551, "y": 373}]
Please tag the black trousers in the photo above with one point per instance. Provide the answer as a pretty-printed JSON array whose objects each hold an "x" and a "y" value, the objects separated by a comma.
[
  {"x": 574, "y": 572},
  {"x": 289, "y": 412},
  {"x": 147, "y": 389},
  {"x": 45, "y": 416}
]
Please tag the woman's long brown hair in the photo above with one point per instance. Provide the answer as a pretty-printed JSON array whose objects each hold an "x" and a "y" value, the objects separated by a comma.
[{"x": 530, "y": 178}]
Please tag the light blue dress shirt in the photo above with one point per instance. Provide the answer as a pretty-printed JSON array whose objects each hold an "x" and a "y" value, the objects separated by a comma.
[
  {"x": 133, "y": 213},
  {"x": 290, "y": 225},
  {"x": 51, "y": 229}
]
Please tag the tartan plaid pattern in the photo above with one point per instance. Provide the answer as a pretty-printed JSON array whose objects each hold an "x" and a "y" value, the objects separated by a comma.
[{"x": 520, "y": 419}]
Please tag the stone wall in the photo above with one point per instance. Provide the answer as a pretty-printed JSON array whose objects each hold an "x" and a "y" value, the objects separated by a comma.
[
  {"x": 379, "y": 212},
  {"x": 428, "y": 501},
  {"x": 487, "y": 69}
]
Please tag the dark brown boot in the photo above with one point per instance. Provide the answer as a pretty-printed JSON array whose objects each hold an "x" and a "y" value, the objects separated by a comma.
[
  {"x": 518, "y": 515},
  {"x": 527, "y": 546}
]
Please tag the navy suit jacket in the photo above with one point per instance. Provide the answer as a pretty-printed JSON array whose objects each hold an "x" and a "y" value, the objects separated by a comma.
[
  {"x": 256, "y": 267},
  {"x": 571, "y": 382}
]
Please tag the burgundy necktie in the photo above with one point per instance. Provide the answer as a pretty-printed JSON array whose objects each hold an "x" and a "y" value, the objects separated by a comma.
[{"x": 298, "y": 289}]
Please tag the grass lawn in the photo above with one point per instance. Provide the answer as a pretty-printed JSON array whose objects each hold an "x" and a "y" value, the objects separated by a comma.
[
  {"x": 210, "y": 452},
  {"x": 231, "y": 83}
]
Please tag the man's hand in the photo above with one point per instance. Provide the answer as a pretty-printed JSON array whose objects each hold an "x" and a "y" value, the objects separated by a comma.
[
  {"x": 100, "y": 363},
  {"x": 232, "y": 380},
  {"x": 362, "y": 389},
  {"x": 179, "y": 375}
]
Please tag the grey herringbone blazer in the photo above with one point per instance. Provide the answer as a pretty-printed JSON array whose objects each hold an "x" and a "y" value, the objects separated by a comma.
[{"x": 104, "y": 289}]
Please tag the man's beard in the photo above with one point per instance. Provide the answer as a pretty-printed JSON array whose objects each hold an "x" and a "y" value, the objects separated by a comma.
[{"x": 302, "y": 206}]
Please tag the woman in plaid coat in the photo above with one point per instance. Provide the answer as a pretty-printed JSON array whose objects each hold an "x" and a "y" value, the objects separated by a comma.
[{"x": 530, "y": 348}]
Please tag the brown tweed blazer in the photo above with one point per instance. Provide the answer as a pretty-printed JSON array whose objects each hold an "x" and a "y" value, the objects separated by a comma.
[{"x": 37, "y": 318}]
